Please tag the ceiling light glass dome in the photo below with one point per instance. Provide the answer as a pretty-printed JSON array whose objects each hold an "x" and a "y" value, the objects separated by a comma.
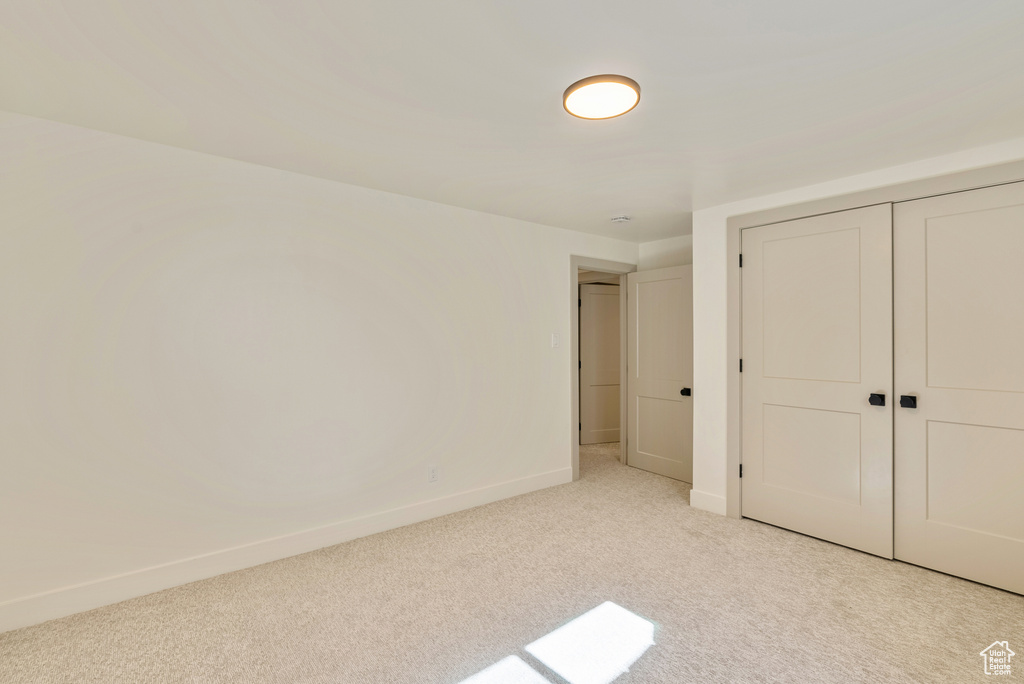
[{"x": 601, "y": 97}]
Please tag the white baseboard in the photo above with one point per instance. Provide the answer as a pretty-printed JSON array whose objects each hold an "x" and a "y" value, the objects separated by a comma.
[
  {"x": 707, "y": 501},
  {"x": 30, "y": 610}
]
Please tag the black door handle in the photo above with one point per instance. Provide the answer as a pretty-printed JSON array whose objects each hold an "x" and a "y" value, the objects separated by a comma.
[
  {"x": 685, "y": 391},
  {"x": 908, "y": 401},
  {"x": 877, "y": 400}
]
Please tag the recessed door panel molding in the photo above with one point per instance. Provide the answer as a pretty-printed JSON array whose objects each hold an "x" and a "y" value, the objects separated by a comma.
[
  {"x": 659, "y": 431},
  {"x": 973, "y": 327},
  {"x": 817, "y": 343},
  {"x": 811, "y": 451},
  {"x": 599, "y": 364},
  {"x": 660, "y": 371},
  {"x": 959, "y": 314},
  {"x": 811, "y": 290},
  {"x": 975, "y": 478}
]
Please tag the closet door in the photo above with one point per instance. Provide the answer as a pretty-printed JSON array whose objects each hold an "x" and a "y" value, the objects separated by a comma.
[
  {"x": 959, "y": 336},
  {"x": 817, "y": 343}
]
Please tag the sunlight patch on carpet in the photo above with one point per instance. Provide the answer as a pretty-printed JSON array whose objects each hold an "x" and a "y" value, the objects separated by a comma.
[
  {"x": 511, "y": 670},
  {"x": 596, "y": 647}
]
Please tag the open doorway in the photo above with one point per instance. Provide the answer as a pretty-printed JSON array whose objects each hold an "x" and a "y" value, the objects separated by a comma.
[{"x": 596, "y": 271}]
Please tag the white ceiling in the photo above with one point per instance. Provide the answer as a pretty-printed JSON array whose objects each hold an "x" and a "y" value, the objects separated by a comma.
[{"x": 459, "y": 101}]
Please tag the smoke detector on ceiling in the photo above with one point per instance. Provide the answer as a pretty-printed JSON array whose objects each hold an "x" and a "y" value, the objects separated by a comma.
[{"x": 622, "y": 219}]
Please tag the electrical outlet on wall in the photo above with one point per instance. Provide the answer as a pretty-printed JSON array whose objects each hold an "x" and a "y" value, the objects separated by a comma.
[{"x": 433, "y": 473}]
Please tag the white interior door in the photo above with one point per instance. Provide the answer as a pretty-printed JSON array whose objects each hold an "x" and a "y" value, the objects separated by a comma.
[
  {"x": 959, "y": 305},
  {"x": 599, "y": 363},
  {"x": 817, "y": 342},
  {"x": 660, "y": 371}
]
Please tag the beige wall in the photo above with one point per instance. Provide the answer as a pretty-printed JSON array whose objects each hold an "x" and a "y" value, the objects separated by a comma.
[
  {"x": 716, "y": 312},
  {"x": 675, "y": 251},
  {"x": 209, "y": 364}
]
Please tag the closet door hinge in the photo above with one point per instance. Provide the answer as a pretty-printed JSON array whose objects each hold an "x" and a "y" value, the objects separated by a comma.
[
  {"x": 741, "y": 261},
  {"x": 741, "y": 470},
  {"x": 741, "y": 365}
]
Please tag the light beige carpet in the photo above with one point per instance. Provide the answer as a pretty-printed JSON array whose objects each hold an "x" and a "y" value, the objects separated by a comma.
[{"x": 732, "y": 600}]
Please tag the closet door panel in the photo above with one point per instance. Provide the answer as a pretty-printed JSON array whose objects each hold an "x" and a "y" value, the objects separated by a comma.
[
  {"x": 959, "y": 350},
  {"x": 817, "y": 342}
]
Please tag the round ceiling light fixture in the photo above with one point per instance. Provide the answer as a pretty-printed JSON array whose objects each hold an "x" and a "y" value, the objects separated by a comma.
[{"x": 601, "y": 97}]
